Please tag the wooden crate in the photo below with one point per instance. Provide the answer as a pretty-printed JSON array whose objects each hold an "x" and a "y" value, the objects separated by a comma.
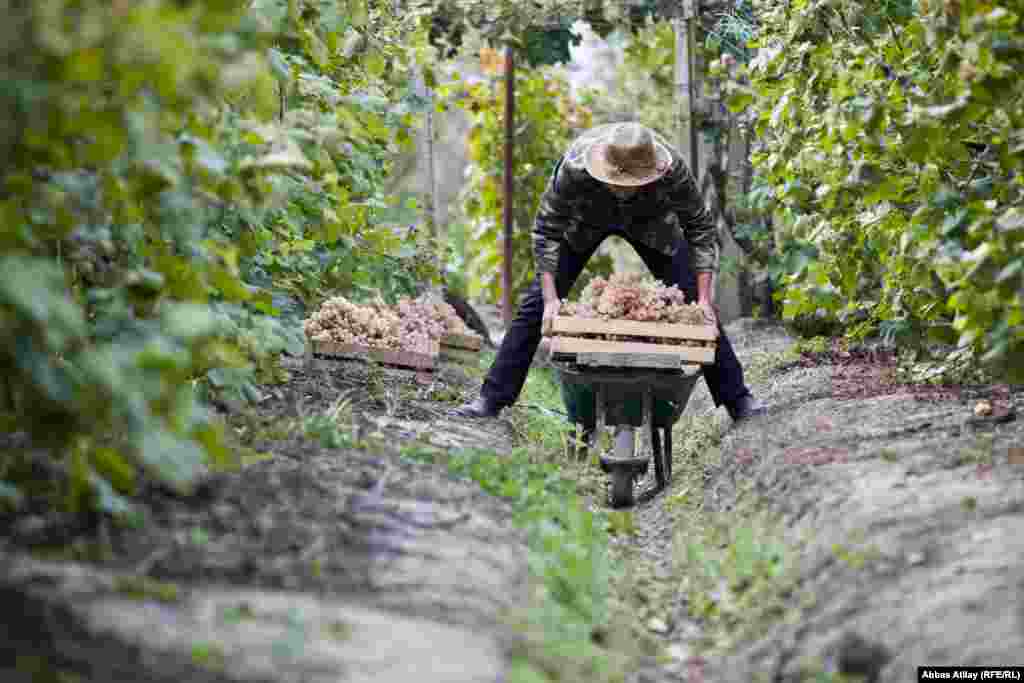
[
  {"x": 460, "y": 348},
  {"x": 401, "y": 359},
  {"x": 653, "y": 345},
  {"x": 461, "y": 341}
]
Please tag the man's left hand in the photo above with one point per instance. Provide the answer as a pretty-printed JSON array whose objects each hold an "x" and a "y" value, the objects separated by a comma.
[{"x": 710, "y": 312}]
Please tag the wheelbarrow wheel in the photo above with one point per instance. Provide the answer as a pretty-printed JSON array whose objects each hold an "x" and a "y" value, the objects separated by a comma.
[{"x": 622, "y": 486}]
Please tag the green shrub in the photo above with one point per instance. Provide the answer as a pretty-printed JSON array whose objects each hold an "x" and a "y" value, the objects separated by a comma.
[
  {"x": 179, "y": 182},
  {"x": 890, "y": 133}
]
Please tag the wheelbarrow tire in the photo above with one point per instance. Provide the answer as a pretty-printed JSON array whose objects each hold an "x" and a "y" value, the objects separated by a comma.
[
  {"x": 622, "y": 486},
  {"x": 660, "y": 474},
  {"x": 666, "y": 448}
]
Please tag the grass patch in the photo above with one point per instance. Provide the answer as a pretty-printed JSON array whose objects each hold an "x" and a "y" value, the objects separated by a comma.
[
  {"x": 981, "y": 452},
  {"x": 209, "y": 656},
  {"x": 856, "y": 558},
  {"x": 540, "y": 421},
  {"x": 739, "y": 576},
  {"x": 338, "y": 630},
  {"x": 145, "y": 588},
  {"x": 568, "y": 632},
  {"x": 735, "y": 568}
]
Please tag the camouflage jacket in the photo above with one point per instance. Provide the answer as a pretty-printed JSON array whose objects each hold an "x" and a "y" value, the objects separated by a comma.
[{"x": 580, "y": 211}]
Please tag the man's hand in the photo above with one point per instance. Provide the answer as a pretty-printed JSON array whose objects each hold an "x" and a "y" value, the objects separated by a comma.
[
  {"x": 710, "y": 314},
  {"x": 551, "y": 309},
  {"x": 705, "y": 286},
  {"x": 551, "y": 301}
]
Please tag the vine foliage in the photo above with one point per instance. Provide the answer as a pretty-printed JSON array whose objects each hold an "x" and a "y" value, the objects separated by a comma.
[
  {"x": 547, "y": 120},
  {"x": 891, "y": 137},
  {"x": 179, "y": 180}
]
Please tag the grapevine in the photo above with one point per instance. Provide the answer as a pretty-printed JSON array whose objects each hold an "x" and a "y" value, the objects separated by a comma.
[{"x": 633, "y": 296}]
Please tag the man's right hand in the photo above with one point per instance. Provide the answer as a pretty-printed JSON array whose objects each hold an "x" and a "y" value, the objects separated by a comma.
[
  {"x": 551, "y": 302},
  {"x": 551, "y": 309}
]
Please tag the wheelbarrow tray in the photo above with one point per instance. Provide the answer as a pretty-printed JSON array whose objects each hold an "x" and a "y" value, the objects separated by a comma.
[{"x": 623, "y": 393}]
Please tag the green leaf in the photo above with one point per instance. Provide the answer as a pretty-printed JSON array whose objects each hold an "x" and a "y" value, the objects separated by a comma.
[
  {"x": 109, "y": 500},
  {"x": 278, "y": 64},
  {"x": 739, "y": 101},
  {"x": 357, "y": 13},
  {"x": 1011, "y": 221},
  {"x": 190, "y": 321},
  {"x": 10, "y": 495},
  {"x": 1013, "y": 271},
  {"x": 375, "y": 64},
  {"x": 115, "y": 469},
  {"x": 175, "y": 460}
]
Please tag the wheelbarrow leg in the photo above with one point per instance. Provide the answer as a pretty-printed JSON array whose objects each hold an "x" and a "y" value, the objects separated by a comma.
[
  {"x": 656, "y": 447},
  {"x": 648, "y": 438},
  {"x": 598, "y": 440}
]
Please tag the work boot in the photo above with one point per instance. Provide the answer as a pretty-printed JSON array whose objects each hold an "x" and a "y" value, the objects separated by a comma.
[
  {"x": 745, "y": 406},
  {"x": 479, "y": 407}
]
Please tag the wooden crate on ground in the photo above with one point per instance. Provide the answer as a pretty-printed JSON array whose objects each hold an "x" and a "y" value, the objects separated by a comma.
[
  {"x": 401, "y": 359},
  {"x": 637, "y": 344},
  {"x": 462, "y": 341},
  {"x": 461, "y": 348}
]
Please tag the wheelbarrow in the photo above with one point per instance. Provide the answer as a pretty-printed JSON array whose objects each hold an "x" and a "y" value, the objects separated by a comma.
[{"x": 642, "y": 404}]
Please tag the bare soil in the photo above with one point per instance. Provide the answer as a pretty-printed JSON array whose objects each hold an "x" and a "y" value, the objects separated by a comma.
[{"x": 326, "y": 561}]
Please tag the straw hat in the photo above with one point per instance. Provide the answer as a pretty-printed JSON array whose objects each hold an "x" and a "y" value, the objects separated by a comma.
[{"x": 627, "y": 155}]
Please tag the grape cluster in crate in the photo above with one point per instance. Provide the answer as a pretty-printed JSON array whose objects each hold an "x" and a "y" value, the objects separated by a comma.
[
  {"x": 633, "y": 319},
  {"x": 413, "y": 332},
  {"x": 633, "y": 296}
]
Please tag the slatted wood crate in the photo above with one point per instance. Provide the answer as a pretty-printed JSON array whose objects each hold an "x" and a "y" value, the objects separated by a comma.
[
  {"x": 461, "y": 348},
  {"x": 401, "y": 359},
  {"x": 637, "y": 344}
]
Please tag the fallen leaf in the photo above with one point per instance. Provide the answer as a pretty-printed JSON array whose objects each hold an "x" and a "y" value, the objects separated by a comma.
[
  {"x": 1016, "y": 456},
  {"x": 814, "y": 456},
  {"x": 744, "y": 456},
  {"x": 695, "y": 669},
  {"x": 983, "y": 408}
]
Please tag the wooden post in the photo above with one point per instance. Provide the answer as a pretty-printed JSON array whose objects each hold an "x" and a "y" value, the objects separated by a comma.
[
  {"x": 687, "y": 131},
  {"x": 430, "y": 213},
  {"x": 510, "y": 111},
  {"x": 435, "y": 222}
]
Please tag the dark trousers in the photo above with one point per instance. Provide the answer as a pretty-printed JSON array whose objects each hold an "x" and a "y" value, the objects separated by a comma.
[{"x": 505, "y": 380}]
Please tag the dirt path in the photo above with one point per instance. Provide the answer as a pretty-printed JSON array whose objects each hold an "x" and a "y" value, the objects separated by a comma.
[
  {"x": 860, "y": 527},
  {"x": 883, "y": 528}
]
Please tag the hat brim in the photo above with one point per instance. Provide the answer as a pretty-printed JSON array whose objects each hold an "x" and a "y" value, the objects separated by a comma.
[{"x": 596, "y": 166}]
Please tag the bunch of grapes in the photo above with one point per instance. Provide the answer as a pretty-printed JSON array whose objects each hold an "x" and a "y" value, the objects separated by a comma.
[
  {"x": 412, "y": 325},
  {"x": 342, "y": 321},
  {"x": 441, "y": 314},
  {"x": 633, "y": 296}
]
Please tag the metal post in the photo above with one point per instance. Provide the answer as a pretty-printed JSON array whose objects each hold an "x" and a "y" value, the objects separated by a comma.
[{"x": 506, "y": 269}]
